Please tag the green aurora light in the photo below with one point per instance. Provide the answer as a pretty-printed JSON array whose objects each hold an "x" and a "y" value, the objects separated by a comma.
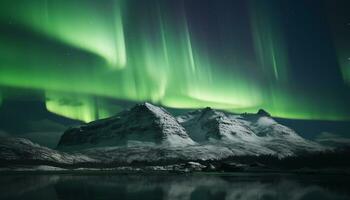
[
  {"x": 79, "y": 53},
  {"x": 341, "y": 30},
  {"x": 268, "y": 40},
  {"x": 49, "y": 18}
]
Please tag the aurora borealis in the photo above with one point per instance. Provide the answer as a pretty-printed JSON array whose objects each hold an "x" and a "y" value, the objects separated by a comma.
[{"x": 289, "y": 57}]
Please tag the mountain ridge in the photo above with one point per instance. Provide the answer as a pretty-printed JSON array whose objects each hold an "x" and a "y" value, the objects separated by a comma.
[
  {"x": 143, "y": 123},
  {"x": 149, "y": 134}
]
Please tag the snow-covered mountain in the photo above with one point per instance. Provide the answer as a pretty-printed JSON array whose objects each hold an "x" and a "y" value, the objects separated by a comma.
[
  {"x": 255, "y": 133},
  {"x": 23, "y": 151},
  {"x": 144, "y": 124},
  {"x": 208, "y": 125},
  {"x": 149, "y": 134}
]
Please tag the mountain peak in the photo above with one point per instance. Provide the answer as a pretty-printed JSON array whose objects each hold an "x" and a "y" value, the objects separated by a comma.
[
  {"x": 262, "y": 112},
  {"x": 145, "y": 104},
  {"x": 144, "y": 123},
  {"x": 207, "y": 108},
  {"x": 148, "y": 107}
]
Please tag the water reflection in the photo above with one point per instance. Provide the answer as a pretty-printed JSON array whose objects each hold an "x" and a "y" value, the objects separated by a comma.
[{"x": 173, "y": 187}]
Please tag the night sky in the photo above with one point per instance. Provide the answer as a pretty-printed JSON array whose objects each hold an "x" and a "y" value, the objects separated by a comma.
[{"x": 83, "y": 59}]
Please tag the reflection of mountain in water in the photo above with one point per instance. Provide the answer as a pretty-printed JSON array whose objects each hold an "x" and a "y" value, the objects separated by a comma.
[{"x": 173, "y": 187}]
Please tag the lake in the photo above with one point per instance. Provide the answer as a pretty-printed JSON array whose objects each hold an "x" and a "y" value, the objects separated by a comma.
[{"x": 173, "y": 186}]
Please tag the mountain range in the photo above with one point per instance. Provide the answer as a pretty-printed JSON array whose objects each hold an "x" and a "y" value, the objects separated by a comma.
[{"x": 150, "y": 135}]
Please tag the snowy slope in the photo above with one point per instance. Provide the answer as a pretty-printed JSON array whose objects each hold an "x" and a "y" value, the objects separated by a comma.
[
  {"x": 144, "y": 124},
  {"x": 248, "y": 132},
  {"x": 208, "y": 124},
  {"x": 150, "y": 134},
  {"x": 23, "y": 151}
]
